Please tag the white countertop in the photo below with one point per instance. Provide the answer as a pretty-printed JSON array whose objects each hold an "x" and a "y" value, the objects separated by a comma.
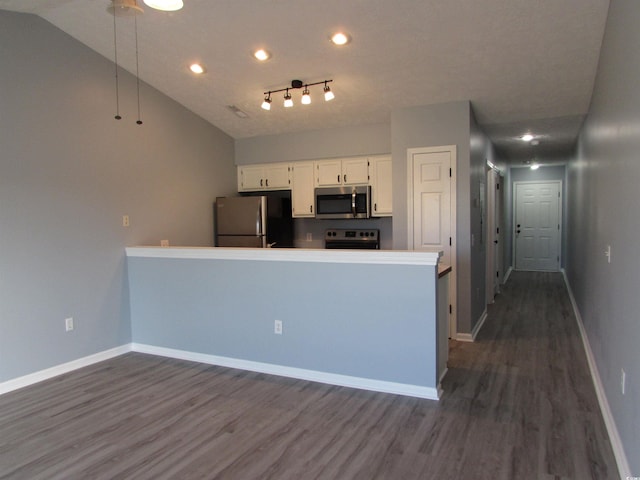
[{"x": 388, "y": 257}]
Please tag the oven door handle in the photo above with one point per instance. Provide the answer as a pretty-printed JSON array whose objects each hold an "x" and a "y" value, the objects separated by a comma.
[{"x": 353, "y": 203}]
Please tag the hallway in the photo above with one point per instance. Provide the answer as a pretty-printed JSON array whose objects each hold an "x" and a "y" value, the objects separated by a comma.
[
  {"x": 517, "y": 404},
  {"x": 531, "y": 407}
]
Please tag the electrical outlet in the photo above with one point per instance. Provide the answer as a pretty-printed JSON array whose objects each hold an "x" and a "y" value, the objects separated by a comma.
[
  {"x": 125, "y": 221},
  {"x": 164, "y": 243},
  {"x": 68, "y": 324},
  {"x": 277, "y": 327},
  {"x": 607, "y": 253},
  {"x": 623, "y": 380}
]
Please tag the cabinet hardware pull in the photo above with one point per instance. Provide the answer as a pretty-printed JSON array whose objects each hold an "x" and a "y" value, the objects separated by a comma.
[
  {"x": 260, "y": 182},
  {"x": 338, "y": 178},
  {"x": 267, "y": 182}
]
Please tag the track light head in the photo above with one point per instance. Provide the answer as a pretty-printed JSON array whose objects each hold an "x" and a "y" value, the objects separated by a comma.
[
  {"x": 288, "y": 102},
  {"x": 306, "y": 98},
  {"x": 266, "y": 104},
  {"x": 328, "y": 94}
]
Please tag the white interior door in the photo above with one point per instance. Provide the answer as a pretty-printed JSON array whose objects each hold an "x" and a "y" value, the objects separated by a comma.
[
  {"x": 431, "y": 202},
  {"x": 537, "y": 225}
]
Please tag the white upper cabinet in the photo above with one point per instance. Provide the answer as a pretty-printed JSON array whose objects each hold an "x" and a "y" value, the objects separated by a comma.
[
  {"x": 271, "y": 176},
  {"x": 302, "y": 189},
  {"x": 381, "y": 186},
  {"x": 336, "y": 172}
]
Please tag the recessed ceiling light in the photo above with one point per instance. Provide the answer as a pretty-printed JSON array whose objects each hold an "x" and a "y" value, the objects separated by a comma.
[
  {"x": 262, "y": 55},
  {"x": 165, "y": 5},
  {"x": 535, "y": 166},
  {"x": 340, "y": 38},
  {"x": 196, "y": 68},
  {"x": 527, "y": 138}
]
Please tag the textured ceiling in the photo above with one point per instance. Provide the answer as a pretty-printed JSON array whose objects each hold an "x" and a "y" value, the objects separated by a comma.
[{"x": 524, "y": 65}]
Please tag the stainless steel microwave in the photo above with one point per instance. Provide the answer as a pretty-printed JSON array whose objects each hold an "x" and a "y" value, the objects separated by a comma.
[{"x": 343, "y": 202}]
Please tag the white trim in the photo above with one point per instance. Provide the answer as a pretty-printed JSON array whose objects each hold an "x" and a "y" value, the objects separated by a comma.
[
  {"x": 30, "y": 379},
  {"x": 315, "y": 255},
  {"x": 453, "y": 186},
  {"x": 614, "y": 436},
  {"x": 507, "y": 275},
  {"x": 299, "y": 373},
  {"x": 471, "y": 337}
]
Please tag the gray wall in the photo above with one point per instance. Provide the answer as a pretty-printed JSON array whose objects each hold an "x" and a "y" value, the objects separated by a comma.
[
  {"x": 430, "y": 126},
  {"x": 346, "y": 141},
  {"x": 604, "y": 201},
  {"x": 68, "y": 172},
  {"x": 543, "y": 174}
]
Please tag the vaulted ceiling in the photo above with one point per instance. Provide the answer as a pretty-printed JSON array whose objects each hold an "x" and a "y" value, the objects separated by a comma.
[{"x": 526, "y": 66}]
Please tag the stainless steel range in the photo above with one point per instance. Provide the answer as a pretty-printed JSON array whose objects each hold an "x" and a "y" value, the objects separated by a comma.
[{"x": 352, "y": 238}]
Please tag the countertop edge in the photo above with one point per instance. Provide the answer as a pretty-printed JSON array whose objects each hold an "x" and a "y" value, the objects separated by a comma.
[{"x": 386, "y": 257}]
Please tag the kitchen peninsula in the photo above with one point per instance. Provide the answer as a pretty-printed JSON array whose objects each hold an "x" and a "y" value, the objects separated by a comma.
[{"x": 364, "y": 319}]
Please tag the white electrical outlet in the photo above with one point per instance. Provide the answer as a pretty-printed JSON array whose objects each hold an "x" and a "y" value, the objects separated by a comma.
[
  {"x": 309, "y": 237},
  {"x": 125, "y": 221},
  {"x": 607, "y": 253},
  {"x": 277, "y": 327},
  {"x": 68, "y": 324},
  {"x": 164, "y": 243},
  {"x": 623, "y": 381}
]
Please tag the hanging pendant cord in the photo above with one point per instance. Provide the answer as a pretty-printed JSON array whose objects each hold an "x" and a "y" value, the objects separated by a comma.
[
  {"x": 115, "y": 48},
  {"x": 135, "y": 17}
]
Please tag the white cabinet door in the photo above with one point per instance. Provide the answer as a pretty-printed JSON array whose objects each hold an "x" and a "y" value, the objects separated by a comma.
[
  {"x": 328, "y": 173},
  {"x": 277, "y": 176},
  {"x": 336, "y": 172},
  {"x": 250, "y": 177},
  {"x": 302, "y": 189},
  {"x": 381, "y": 186},
  {"x": 355, "y": 171},
  {"x": 272, "y": 176}
]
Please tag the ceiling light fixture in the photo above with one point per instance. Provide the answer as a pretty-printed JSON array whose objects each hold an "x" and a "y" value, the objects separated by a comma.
[
  {"x": 165, "y": 5},
  {"x": 125, "y": 8},
  {"x": 196, "y": 68},
  {"x": 262, "y": 55},
  {"x": 288, "y": 101},
  {"x": 328, "y": 94},
  {"x": 266, "y": 104},
  {"x": 535, "y": 166},
  {"x": 306, "y": 96},
  {"x": 340, "y": 38},
  {"x": 527, "y": 138}
]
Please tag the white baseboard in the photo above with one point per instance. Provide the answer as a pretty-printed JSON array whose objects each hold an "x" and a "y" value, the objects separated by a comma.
[
  {"x": 48, "y": 373},
  {"x": 291, "y": 372},
  {"x": 471, "y": 337},
  {"x": 614, "y": 437},
  {"x": 506, "y": 275}
]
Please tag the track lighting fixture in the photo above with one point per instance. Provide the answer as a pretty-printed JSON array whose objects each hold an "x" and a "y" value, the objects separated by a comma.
[{"x": 306, "y": 96}]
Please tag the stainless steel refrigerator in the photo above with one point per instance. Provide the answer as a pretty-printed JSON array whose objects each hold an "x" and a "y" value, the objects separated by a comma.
[{"x": 253, "y": 221}]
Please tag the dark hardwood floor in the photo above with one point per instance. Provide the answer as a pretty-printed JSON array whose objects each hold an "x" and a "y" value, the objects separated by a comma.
[{"x": 518, "y": 403}]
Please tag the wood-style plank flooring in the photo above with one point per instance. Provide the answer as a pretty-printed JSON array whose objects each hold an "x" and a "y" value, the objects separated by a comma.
[{"x": 519, "y": 403}]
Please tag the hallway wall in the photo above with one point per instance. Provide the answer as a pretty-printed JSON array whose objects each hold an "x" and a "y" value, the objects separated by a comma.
[{"x": 604, "y": 206}]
